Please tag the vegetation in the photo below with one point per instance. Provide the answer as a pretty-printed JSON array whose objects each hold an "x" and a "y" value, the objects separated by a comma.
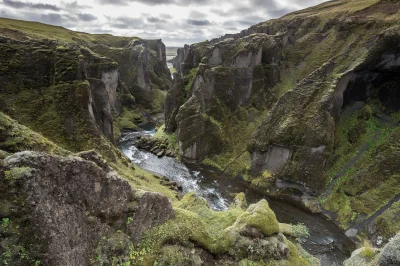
[{"x": 367, "y": 250}]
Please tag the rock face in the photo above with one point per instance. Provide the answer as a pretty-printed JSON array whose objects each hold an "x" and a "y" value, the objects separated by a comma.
[
  {"x": 225, "y": 77},
  {"x": 175, "y": 98},
  {"x": 75, "y": 87},
  {"x": 300, "y": 99},
  {"x": 60, "y": 208}
]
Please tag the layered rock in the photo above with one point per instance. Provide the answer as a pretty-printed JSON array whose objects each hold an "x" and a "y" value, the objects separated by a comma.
[{"x": 228, "y": 76}]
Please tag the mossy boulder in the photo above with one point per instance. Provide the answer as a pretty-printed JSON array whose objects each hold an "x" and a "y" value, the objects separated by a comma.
[{"x": 260, "y": 217}]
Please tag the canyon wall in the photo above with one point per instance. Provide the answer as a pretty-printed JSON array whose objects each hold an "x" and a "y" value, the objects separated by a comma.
[{"x": 305, "y": 105}]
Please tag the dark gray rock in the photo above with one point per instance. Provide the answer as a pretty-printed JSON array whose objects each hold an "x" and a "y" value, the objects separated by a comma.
[{"x": 62, "y": 208}]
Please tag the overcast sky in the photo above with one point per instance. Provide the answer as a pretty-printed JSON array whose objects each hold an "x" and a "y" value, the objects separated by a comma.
[{"x": 176, "y": 22}]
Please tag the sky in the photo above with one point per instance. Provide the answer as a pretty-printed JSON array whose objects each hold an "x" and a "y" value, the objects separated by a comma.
[{"x": 176, "y": 22}]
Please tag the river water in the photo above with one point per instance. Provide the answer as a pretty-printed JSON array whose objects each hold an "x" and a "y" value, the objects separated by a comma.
[{"x": 326, "y": 242}]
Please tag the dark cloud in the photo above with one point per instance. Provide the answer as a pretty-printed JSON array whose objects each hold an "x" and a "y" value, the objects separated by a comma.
[
  {"x": 125, "y": 22},
  {"x": 86, "y": 17},
  {"x": 272, "y": 4},
  {"x": 219, "y": 12},
  {"x": 195, "y": 22},
  {"x": 156, "y": 20},
  {"x": 74, "y": 6},
  {"x": 20, "y": 5}
]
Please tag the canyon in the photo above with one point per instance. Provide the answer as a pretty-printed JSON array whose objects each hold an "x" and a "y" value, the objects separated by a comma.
[{"x": 104, "y": 154}]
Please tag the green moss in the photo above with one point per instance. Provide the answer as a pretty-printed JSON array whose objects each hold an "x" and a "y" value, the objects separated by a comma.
[
  {"x": 128, "y": 120},
  {"x": 15, "y": 137},
  {"x": 17, "y": 173},
  {"x": 172, "y": 138},
  {"x": 158, "y": 101},
  {"x": 259, "y": 216},
  {"x": 189, "y": 79},
  {"x": 387, "y": 224},
  {"x": 215, "y": 231},
  {"x": 373, "y": 179}
]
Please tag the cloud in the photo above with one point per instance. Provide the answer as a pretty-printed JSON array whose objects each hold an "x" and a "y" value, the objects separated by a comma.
[
  {"x": 125, "y": 22},
  {"x": 175, "y": 21},
  {"x": 74, "y": 5},
  {"x": 86, "y": 17},
  {"x": 156, "y": 20},
  {"x": 195, "y": 22},
  {"x": 127, "y": 2},
  {"x": 27, "y": 5},
  {"x": 156, "y": 2},
  {"x": 277, "y": 13},
  {"x": 194, "y": 14},
  {"x": 52, "y": 18}
]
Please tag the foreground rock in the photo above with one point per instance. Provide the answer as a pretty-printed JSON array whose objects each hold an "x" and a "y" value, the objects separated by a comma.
[
  {"x": 71, "y": 211},
  {"x": 234, "y": 237},
  {"x": 389, "y": 255}
]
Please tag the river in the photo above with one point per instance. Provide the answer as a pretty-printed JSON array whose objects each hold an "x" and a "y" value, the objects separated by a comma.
[{"x": 326, "y": 241}]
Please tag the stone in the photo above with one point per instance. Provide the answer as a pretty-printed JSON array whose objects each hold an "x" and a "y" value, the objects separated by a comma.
[
  {"x": 72, "y": 203},
  {"x": 390, "y": 255}
]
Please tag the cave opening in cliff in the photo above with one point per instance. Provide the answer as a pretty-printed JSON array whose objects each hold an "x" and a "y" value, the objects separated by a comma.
[{"x": 378, "y": 87}]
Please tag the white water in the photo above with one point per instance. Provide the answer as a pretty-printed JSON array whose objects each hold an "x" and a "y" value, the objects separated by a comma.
[{"x": 174, "y": 171}]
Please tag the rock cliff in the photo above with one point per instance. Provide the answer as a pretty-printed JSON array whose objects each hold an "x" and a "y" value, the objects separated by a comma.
[
  {"x": 89, "y": 84},
  {"x": 306, "y": 104}
]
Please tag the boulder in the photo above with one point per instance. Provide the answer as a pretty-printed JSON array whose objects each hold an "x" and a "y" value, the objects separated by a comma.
[
  {"x": 61, "y": 208},
  {"x": 390, "y": 255}
]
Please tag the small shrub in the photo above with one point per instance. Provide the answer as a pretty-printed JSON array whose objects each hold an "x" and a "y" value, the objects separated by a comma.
[
  {"x": 300, "y": 231},
  {"x": 367, "y": 250}
]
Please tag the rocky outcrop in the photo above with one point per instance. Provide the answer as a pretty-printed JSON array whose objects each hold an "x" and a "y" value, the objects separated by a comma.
[
  {"x": 251, "y": 236},
  {"x": 175, "y": 98},
  {"x": 59, "y": 210},
  {"x": 389, "y": 255},
  {"x": 159, "y": 147}
]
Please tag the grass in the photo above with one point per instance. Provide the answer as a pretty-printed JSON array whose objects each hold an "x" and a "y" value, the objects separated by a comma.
[
  {"x": 364, "y": 187},
  {"x": 367, "y": 250}
]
